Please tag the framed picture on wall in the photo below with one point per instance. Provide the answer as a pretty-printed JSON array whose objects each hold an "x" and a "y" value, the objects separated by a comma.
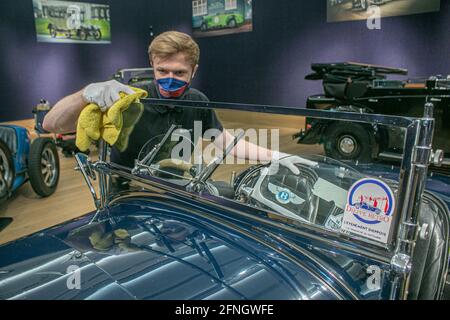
[
  {"x": 220, "y": 17},
  {"x": 347, "y": 10},
  {"x": 71, "y": 22}
]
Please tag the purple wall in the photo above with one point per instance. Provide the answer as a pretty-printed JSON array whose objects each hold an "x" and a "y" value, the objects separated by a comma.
[
  {"x": 265, "y": 66},
  {"x": 268, "y": 65},
  {"x": 30, "y": 70}
]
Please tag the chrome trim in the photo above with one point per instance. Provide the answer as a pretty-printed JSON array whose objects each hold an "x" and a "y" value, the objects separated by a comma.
[
  {"x": 103, "y": 180},
  {"x": 206, "y": 173},
  {"x": 399, "y": 156},
  {"x": 48, "y": 167},
  {"x": 151, "y": 155},
  {"x": 413, "y": 174},
  {"x": 398, "y": 121},
  {"x": 391, "y": 155},
  {"x": 103, "y": 151},
  {"x": 86, "y": 172},
  {"x": 347, "y": 145}
]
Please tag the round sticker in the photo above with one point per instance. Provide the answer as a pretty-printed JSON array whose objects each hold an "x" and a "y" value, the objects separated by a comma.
[{"x": 371, "y": 201}]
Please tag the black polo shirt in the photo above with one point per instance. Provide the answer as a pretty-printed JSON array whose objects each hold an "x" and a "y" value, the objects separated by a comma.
[{"x": 156, "y": 121}]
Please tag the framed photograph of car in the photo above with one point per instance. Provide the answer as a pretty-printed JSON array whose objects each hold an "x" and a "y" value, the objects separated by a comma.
[
  {"x": 348, "y": 10},
  {"x": 221, "y": 17},
  {"x": 71, "y": 22}
]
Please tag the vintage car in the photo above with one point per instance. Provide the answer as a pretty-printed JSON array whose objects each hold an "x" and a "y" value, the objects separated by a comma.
[
  {"x": 364, "y": 4},
  {"x": 21, "y": 161},
  {"x": 74, "y": 26},
  {"x": 187, "y": 229},
  {"x": 82, "y": 33},
  {"x": 333, "y": 3},
  {"x": 225, "y": 20},
  {"x": 362, "y": 88}
]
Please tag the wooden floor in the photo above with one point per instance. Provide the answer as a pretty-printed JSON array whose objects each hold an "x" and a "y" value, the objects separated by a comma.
[{"x": 72, "y": 198}]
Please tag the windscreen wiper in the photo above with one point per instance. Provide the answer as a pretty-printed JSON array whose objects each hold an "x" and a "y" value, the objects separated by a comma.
[
  {"x": 202, "y": 249},
  {"x": 151, "y": 155},
  {"x": 206, "y": 173}
]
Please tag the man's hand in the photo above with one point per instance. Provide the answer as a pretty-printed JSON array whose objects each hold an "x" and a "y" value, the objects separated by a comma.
[
  {"x": 104, "y": 94},
  {"x": 289, "y": 161}
]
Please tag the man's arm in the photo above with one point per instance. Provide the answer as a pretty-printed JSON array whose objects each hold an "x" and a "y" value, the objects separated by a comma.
[
  {"x": 62, "y": 118},
  {"x": 251, "y": 151},
  {"x": 244, "y": 149}
]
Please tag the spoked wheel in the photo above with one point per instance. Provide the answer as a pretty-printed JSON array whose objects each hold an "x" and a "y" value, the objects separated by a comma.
[
  {"x": 6, "y": 171},
  {"x": 364, "y": 4},
  {"x": 98, "y": 34},
  {"x": 232, "y": 23},
  {"x": 83, "y": 34},
  {"x": 43, "y": 167}
]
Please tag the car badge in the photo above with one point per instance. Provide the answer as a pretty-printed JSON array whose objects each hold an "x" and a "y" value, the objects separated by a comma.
[{"x": 284, "y": 196}]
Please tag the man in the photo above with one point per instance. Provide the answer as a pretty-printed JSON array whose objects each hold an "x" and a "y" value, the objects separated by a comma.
[{"x": 174, "y": 57}]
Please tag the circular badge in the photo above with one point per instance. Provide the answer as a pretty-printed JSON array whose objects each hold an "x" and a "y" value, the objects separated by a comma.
[
  {"x": 372, "y": 201},
  {"x": 283, "y": 197}
]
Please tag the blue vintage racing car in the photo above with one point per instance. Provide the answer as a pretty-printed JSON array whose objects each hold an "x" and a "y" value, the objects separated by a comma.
[{"x": 21, "y": 160}]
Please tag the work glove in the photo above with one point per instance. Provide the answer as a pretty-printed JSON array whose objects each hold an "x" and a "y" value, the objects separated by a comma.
[
  {"x": 289, "y": 161},
  {"x": 104, "y": 94}
]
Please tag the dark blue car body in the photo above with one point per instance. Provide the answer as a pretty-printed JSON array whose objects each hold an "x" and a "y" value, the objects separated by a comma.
[
  {"x": 199, "y": 251},
  {"x": 242, "y": 266}
]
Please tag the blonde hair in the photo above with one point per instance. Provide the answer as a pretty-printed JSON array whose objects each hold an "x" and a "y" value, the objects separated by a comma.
[{"x": 173, "y": 42}]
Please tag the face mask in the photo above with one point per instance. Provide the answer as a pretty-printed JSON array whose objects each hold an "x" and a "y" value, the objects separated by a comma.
[{"x": 171, "y": 87}]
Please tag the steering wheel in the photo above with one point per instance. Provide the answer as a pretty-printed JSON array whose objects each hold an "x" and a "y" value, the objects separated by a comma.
[
  {"x": 178, "y": 165},
  {"x": 287, "y": 194}
]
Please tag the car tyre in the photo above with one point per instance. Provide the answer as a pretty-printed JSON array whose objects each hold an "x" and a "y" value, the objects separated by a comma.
[
  {"x": 364, "y": 4},
  {"x": 98, "y": 34},
  {"x": 43, "y": 166},
  {"x": 84, "y": 34},
  {"x": 232, "y": 23},
  {"x": 6, "y": 171},
  {"x": 53, "y": 32},
  {"x": 349, "y": 141}
]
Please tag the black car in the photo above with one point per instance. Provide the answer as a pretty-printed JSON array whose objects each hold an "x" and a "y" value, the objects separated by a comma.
[{"x": 361, "y": 88}]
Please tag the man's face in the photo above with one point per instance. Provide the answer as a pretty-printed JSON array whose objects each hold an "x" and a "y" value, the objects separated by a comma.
[{"x": 176, "y": 66}]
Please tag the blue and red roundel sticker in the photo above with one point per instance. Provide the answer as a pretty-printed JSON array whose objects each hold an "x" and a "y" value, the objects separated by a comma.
[{"x": 369, "y": 209}]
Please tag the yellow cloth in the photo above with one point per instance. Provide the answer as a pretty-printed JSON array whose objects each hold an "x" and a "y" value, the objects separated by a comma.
[{"x": 114, "y": 126}]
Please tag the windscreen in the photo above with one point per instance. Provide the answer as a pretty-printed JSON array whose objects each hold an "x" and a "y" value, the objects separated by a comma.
[{"x": 338, "y": 175}]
